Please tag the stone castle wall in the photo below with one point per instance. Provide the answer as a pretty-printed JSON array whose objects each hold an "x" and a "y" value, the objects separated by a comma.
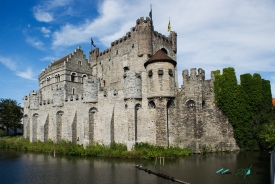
[{"x": 114, "y": 97}]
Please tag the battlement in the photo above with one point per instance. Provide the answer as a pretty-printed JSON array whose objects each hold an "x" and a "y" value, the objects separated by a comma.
[
  {"x": 104, "y": 52},
  {"x": 193, "y": 75},
  {"x": 32, "y": 92},
  {"x": 144, "y": 22},
  {"x": 162, "y": 37},
  {"x": 212, "y": 74},
  {"x": 95, "y": 52},
  {"x": 120, "y": 40}
]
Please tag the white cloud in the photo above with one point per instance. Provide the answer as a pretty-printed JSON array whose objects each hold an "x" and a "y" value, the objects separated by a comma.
[
  {"x": 12, "y": 65},
  {"x": 46, "y": 32},
  {"x": 46, "y": 11},
  {"x": 8, "y": 63},
  {"x": 212, "y": 34},
  {"x": 34, "y": 42},
  {"x": 42, "y": 16},
  {"x": 114, "y": 17},
  {"x": 48, "y": 58},
  {"x": 28, "y": 74}
]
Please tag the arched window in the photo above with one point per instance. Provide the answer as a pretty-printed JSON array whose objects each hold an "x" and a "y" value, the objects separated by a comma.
[
  {"x": 79, "y": 62},
  {"x": 190, "y": 103},
  {"x": 83, "y": 76},
  {"x": 57, "y": 78},
  {"x": 59, "y": 125},
  {"x": 90, "y": 130},
  {"x": 137, "y": 107},
  {"x": 164, "y": 50},
  {"x": 34, "y": 127},
  {"x": 48, "y": 80},
  {"x": 93, "y": 110},
  {"x": 73, "y": 77},
  {"x": 151, "y": 104}
]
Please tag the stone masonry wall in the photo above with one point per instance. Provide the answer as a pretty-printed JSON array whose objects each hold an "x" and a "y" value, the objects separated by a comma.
[{"x": 113, "y": 97}]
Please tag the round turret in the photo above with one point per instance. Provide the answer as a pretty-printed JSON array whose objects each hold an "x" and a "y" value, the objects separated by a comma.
[{"x": 161, "y": 75}]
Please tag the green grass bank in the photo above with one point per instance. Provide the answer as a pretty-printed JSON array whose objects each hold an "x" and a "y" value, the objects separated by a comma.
[{"x": 115, "y": 150}]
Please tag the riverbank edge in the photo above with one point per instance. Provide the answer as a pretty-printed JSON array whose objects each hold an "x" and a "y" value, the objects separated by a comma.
[{"x": 115, "y": 150}]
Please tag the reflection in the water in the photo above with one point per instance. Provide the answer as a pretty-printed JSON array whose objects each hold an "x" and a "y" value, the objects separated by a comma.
[{"x": 18, "y": 167}]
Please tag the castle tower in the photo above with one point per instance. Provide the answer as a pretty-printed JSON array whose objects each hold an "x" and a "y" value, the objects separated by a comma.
[
  {"x": 93, "y": 56},
  {"x": 173, "y": 38},
  {"x": 144, "y": 29},
  {"x": 160, "y": 70},
  {"x": 161, "y": 75}
]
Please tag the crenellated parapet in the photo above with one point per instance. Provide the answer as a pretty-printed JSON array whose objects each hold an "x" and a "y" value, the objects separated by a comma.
[
  {"x": 194, "y": 76},
  {"x": 143, "y": 24},
  {"x": 121, "y": 40},
  {"x": 95, "y": 55},
  {"x": 213, "y": 75},
  {"x": 162, "y": 37}
]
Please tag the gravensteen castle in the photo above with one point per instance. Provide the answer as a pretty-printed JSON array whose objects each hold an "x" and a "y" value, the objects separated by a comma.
[{"x": 127, "y": 93}]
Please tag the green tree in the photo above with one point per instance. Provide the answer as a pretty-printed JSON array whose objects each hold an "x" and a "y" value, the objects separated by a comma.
[
  {"x": 10, "y": 113},
  {"x": 248, "y": 106},
  {"x": 267, "y": 134}
]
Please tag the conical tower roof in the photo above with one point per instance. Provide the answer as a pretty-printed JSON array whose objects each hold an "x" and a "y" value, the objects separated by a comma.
[{"x": 160, "y": 56}]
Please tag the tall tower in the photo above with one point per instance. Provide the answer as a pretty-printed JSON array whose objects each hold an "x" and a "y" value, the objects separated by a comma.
[
  {"x": 144, "y": 29},
  {"x": 160, "y": 70}
]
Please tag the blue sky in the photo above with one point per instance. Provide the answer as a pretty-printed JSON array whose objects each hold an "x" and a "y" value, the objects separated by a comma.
[{"x": 212, "y": 34}]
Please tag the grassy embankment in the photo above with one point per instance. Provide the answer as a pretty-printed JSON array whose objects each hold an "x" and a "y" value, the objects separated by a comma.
[{"x": 115, "y": 150}]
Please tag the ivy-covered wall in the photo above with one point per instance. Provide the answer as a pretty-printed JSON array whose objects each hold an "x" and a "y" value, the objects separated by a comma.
[{"x": 247, "y": 105}]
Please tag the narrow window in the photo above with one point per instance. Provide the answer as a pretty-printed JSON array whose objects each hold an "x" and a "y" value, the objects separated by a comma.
[
  {"x": 73, "y": 77},
  {"x": 150, "y": 73},
  {"x": 160, "y": 72},
  {"x": 83, "y": 77},
  {"x": 57, "y": 78},
  {"x": 170, "y": 72}
]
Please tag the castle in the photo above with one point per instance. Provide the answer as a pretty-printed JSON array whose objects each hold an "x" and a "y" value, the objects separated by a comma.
[{"x": 127, "y": 94}]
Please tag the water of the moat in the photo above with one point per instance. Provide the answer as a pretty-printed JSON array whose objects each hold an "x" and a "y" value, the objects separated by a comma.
[{"x": 20, "y": 167}]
